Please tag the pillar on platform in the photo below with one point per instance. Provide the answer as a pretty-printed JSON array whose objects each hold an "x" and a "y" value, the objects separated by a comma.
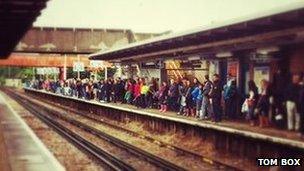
[
  {"x": 106, "y": 73},
  {"x": 65, "y": 67},
  {"x": 163, "y": 72},
  {"x": 61, "y": 73}
]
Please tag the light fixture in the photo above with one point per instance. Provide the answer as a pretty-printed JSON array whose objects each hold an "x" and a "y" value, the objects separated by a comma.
[
  {"x": 150, "y": 63},
  {"x": 267, "y": 50},
  {"x": 223, "y": 55},
  {"x": 194, "y": 58}
]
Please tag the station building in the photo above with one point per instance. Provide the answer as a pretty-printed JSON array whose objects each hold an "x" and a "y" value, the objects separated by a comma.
[
  {"x": 52, "y": 50},
  {"x": 249, "y": 48}
]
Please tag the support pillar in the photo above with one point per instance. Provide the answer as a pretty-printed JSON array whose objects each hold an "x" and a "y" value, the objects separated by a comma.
[
  {"x": 163, "y": 72},
  {"x": 33, "y": 69},
  {"x": 65, "y": 67},
  {"x": 61, "y": 74},
  {"x": 106, "y": 73}
]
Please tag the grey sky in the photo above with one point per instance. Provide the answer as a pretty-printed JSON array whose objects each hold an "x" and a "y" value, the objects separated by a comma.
[{"x": 150, "y": 15}]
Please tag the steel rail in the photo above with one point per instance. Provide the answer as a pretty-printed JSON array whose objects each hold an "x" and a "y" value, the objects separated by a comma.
[{"x": 111, "y": 161}]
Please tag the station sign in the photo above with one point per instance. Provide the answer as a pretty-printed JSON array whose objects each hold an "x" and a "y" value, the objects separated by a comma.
[
  {"x": 261, "y": 58},
  {"x": 47, "y": 70},
  {"x": 149, "y": 65},
  {"x": 97, "y": 64},
  {"x": 117, "y": 65},
  {"x": 78, "y": 66},
  {"x": 261, "y": 73}
]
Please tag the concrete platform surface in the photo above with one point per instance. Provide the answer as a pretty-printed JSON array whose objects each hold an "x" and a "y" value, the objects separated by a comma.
[{"x": 21, "y": 149}]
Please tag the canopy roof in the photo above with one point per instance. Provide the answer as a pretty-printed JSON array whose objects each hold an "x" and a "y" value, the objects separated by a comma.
[
  {"x": 16, "y": 17},
  {"x": 289, "y": 17}
]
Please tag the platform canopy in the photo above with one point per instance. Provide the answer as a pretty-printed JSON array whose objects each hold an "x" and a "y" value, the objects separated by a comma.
[
  {"x": 273, "y": 27},
  {"x": 16, "y": 17}
]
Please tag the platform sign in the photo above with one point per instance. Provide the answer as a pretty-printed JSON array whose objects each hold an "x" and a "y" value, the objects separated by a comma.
[
  {"x": 78, "y": 66},
  {"x": 261, "y": 58},
  {"x": 47, "y": 70},
  {"x": 97, "y": 64},
  {"x": 261, "y": 73},
  {"x": 40, "y": 71},
  {"x": 233, "y": 70}
]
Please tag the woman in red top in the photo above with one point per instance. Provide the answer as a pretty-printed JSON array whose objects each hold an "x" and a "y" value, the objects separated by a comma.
[{"x": 136, "y": 93}]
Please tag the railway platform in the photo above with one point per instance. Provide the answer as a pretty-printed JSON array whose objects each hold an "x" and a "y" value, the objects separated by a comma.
[
  {"x": 20, "y": 148},
  {"x": 271, "y": 134}
]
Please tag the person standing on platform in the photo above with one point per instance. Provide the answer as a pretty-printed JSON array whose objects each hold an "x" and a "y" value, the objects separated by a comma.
[
  {"x": 101, "y": 91},
  {"x": 107, "y": 90},
  {"x": 116, "y": 91},
  {"x": 264, "y": 104},
  {"x": 79, "y": 88},
  {"x": 252, "y": 102},
  {"x": 292, "y": 104},
  {"x": 173, "y": 95},
  {"x": 215, "y": 98},
  {"x": 129, "y": 88},
  {"x": 189, "y": 100},
  {"x": 121, "y": 92},
  {"x": 153, "y": 88},
  {"x": 136, "y": 93},
  {"x": 301, "y": 107},
  {"x": 40, "y": 82},
  {"x": 95, "y": 89},
  {"x": 278, "y": 110},
  {"x": 196, "y": 83},
  {"x": 85, "y": 89},
  {"x": 206, "y": 108},
  {"x": 197, "y": 95},
  {"x": 144, "y": 89},
  {"x": 83, "y": 86},
  {"x": 67, "y": 89},
  {"x": 45, "y": 85},
  {"x": 182, "y": 89},
  {"x": 163, "y": 97},
  {"x": 74, "y": 87},
  {"x": 58, "y": 87},
  {"x": 89, "y": 90},
  {"x": 230, "y": 97}
]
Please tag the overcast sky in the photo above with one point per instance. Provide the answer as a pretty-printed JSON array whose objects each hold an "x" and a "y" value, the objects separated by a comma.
[{"x": 151, "y": 15}]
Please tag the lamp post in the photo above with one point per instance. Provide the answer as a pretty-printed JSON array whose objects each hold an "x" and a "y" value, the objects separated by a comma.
[{"x": 78, "y": 72}]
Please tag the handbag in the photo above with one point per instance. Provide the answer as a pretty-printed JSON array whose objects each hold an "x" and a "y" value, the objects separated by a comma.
[
  {"x": 183, "y": 101},
  {"x": 245, "y": 106}
]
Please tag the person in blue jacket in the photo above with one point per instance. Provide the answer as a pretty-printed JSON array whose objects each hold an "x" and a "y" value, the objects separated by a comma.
[
  {"x": 197, "y": 95},
  {"x": 230, "y": 97}
]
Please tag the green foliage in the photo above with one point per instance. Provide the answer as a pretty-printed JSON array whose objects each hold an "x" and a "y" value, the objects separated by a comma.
[
  {"x": 25, "y": 73},
  {"x": 111, "y": 72},
  {"x": 2, "y": 80}
]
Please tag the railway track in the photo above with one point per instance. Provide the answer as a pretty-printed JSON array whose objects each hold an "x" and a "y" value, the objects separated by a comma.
[
  {"x": 101, "y": 155},
  {"x": 111, "y": 161},
  {"x": 148, "y": 138}
]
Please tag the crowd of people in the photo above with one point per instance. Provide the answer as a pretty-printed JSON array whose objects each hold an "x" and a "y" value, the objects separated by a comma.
[{"x": 210, "y": 99}]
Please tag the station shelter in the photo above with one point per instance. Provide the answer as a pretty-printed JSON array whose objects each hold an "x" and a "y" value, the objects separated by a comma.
[{"x": 250, "y": 48}]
